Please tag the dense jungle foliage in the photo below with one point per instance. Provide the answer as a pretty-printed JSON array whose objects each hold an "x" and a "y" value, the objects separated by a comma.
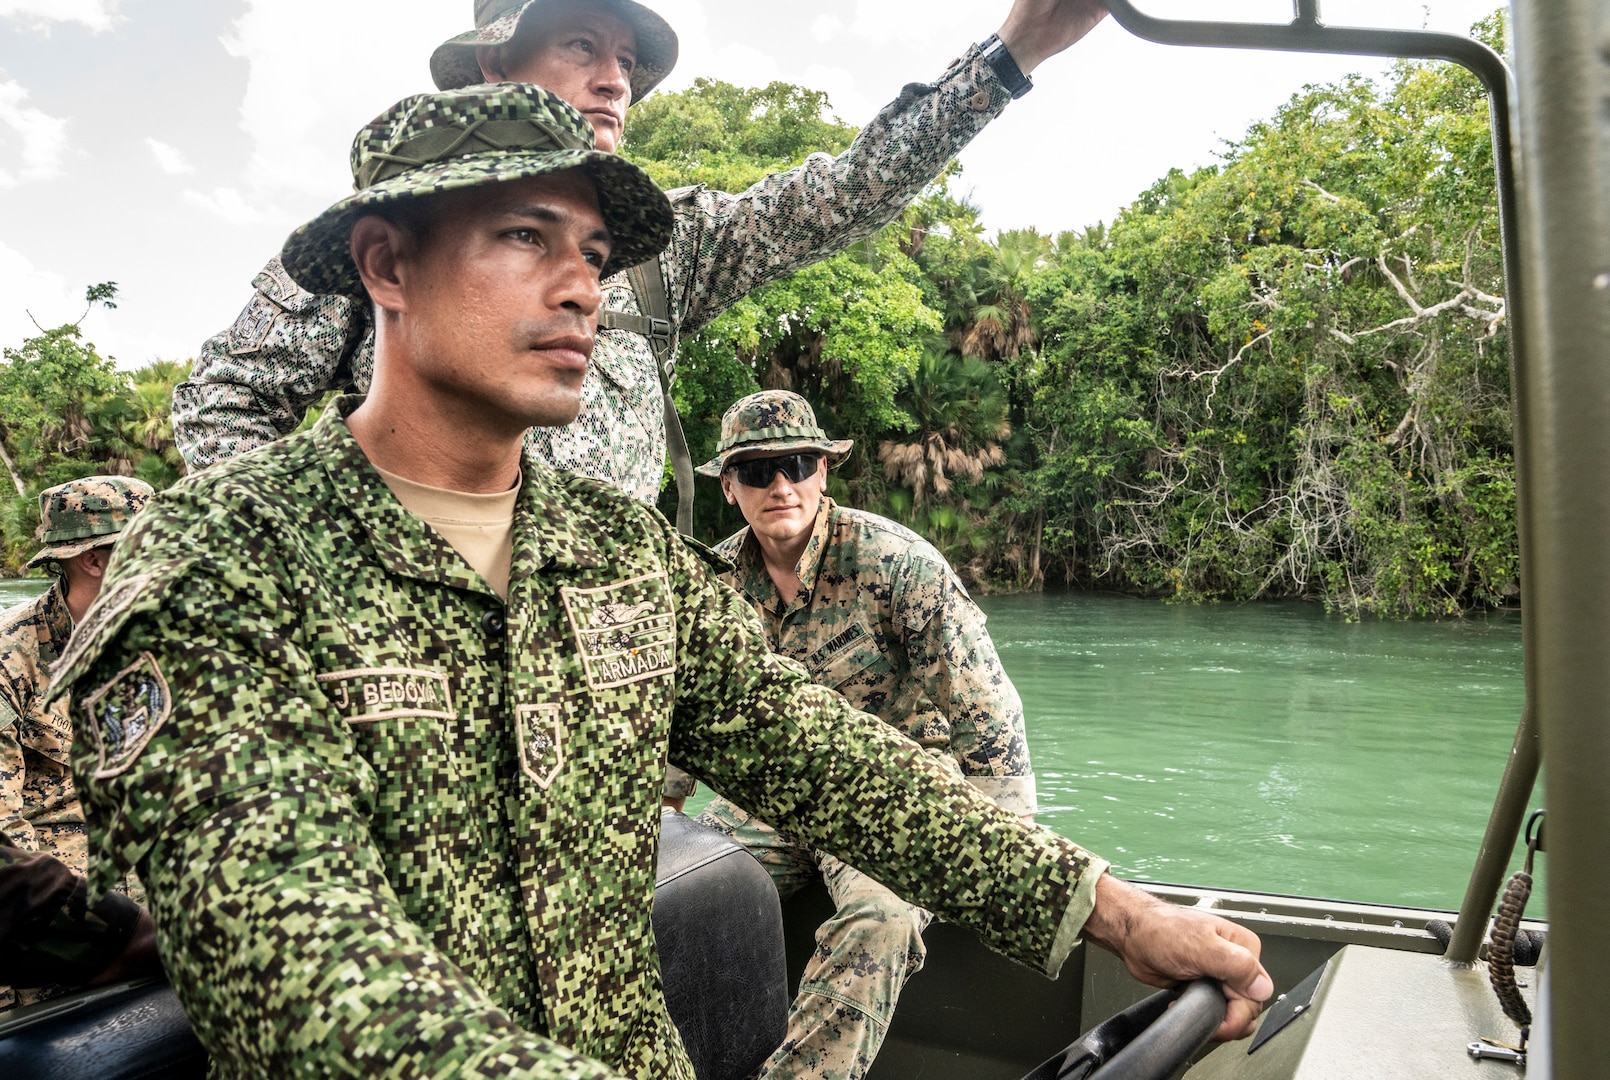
[
  {"x": 1284, "y": 375},
  {"x": 66, "y": 411}
]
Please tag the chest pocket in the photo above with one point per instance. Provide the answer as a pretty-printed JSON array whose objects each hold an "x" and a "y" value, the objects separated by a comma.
[
  {"x": 851, "y": 652},
  {"x": 624, "y": 632},
  {"x": 51, "y": 737}
]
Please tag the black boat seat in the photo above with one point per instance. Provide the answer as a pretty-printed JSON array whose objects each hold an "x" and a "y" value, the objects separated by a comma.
[
  {"x": 717, "y": 923},
  {"x": 719, "y": 929}
]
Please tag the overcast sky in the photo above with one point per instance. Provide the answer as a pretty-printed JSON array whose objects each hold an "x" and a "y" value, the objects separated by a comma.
[{"x": 170, "y": 145}]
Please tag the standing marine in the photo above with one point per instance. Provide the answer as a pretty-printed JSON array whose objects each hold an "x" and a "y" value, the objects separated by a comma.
[
  {"x": 44, "y": 851},
  {"x": 874, "y": 612},
  {"x": 394, "y": 795},
  {"x": 254, "y": 382}
]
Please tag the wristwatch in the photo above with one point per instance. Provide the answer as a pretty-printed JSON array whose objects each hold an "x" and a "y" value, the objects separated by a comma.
[{"x": 996, "y": 54}]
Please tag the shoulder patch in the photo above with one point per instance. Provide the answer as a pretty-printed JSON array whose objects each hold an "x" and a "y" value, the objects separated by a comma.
[
  {"x": 124, "y": 714},
  {"x": 275, "y": 283},
  {"x": 251, "y": 328}
]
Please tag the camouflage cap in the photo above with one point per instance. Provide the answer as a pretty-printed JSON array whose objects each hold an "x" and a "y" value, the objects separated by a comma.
[
  {"x": 80, "y": 514},
  {"x": 769, "y": 423},
  {"x": 486, "y": 134},
  {"x": 497, "y": 22}
]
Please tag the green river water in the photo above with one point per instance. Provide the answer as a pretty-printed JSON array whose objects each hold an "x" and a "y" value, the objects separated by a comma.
[{"x": 1263, "y": 746}]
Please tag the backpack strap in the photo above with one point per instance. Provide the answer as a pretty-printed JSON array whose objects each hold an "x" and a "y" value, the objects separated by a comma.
[{"x": 653, "y": 300}]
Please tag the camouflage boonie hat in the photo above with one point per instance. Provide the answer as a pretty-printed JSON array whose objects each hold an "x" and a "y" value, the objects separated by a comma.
[
  {"x": 768, "y": 424},
  {"x": 486, "y": 134},
  {"x": 498, "y": 22},
  {"x": 81, "y": 514}
]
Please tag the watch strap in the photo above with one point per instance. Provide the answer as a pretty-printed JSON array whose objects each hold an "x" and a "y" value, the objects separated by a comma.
[{"x": 999, "y": 57}]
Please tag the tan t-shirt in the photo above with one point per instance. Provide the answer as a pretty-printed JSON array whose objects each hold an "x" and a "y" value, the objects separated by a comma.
[{"x": 480, "y": 527}]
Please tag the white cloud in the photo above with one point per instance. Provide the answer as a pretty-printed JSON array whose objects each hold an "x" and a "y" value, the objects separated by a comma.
[
  {"x": 849, "y": 104},
  {"x": 307, "y": 94},
  {"x": 43, "y": 137},
  {"x": 826, "y": 28},
  {"x": 26, "y": 289},
  {"x": 169, "y": 159},
  {"x": 232, "y": 206},
  {"x": 98, "y": 15},
  {"x": 933, "y": 21},
  {"x": 692, "y": 25}
]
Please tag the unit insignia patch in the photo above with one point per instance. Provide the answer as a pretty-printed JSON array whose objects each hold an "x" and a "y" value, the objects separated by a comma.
[
  {"x": 625, "y": 632},
  {"x": 126, "y": 712},
  {"x": 542, "y": 752}
]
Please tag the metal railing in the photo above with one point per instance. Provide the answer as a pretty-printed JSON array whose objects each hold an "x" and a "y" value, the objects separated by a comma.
[{"x": 1306, "y": 33}]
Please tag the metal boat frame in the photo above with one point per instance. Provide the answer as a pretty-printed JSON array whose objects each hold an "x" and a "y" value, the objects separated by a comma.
[{"x": 1551, "y": 140}]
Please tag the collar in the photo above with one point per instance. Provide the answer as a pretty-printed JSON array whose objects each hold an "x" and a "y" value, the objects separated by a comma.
[
  {"x": 54, "y": 614},
  {"x": 810, "y": 560},
  {"x": 547, "y": 529}
]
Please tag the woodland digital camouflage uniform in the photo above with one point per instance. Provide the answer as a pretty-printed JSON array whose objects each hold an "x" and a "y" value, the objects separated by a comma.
[
  {"x": 394, "y": 826},
  {"x": 254, "y": 382},
  {"x": 39, "y": 810},
  {"x": 880, "y": 618}
]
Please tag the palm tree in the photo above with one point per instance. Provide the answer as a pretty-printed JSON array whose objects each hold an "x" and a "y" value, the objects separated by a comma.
[
  {"x": 1002, "y": 323},
  {"x": 961, "y": 414}
]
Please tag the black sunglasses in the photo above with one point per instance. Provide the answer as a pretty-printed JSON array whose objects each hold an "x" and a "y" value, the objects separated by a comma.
[{"x": 757, "y": 472}]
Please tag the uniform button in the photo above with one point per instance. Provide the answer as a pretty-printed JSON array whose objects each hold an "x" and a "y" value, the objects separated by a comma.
[
  {"x": 980, "y": 101},
  {"x": 493, "y": 622}
]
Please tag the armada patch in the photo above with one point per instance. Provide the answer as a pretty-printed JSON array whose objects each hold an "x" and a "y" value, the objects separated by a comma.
[
  {"x": 125, "y": 713},
  {"x": 625, "y": 632},
  {"x": 542, "y": 752},
  {"x": 366, "y": 695}
]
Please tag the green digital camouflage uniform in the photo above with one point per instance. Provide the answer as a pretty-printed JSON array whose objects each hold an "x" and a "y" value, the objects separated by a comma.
[
  {"x": 881, "y": 618},
  {"x": 39, "y": 810},
  {"x": 394, "y": 826}
]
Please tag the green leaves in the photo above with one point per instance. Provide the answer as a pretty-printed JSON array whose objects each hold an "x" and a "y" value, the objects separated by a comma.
[
  {"x": 1279, "y": 376},
  {"x": 66, "y": 411}
]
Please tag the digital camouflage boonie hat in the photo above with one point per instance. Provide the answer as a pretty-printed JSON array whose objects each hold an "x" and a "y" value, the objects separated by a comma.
[
  {"x": 498, "y": 22},
  {"x": 486, "y": 134},
  {"x": 82, "y": 514},
  {"x": 770, "y": 423}
]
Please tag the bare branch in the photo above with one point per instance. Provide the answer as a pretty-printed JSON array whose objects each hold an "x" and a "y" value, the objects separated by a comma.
[{"x": 1323, "y": 193}]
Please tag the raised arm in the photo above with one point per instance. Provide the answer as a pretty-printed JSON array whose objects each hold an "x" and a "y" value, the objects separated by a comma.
[
  {"x": 254, "y": 382},
  {"x": 728, "y": 245}
]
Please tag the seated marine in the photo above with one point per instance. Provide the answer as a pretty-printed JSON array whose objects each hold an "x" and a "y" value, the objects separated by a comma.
[
  {"x": 394, "y": 792},
  {"x": 43, "y": 847},
  {"x": 873, "y": 611}
]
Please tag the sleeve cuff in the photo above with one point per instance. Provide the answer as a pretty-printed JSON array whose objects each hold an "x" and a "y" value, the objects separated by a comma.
[
  {"x": 1075, "y": 917},
  {"x": 977, "y": 83},
  {"x": 1012, "y": 793},
  {"x": 677, "y": 784}
]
